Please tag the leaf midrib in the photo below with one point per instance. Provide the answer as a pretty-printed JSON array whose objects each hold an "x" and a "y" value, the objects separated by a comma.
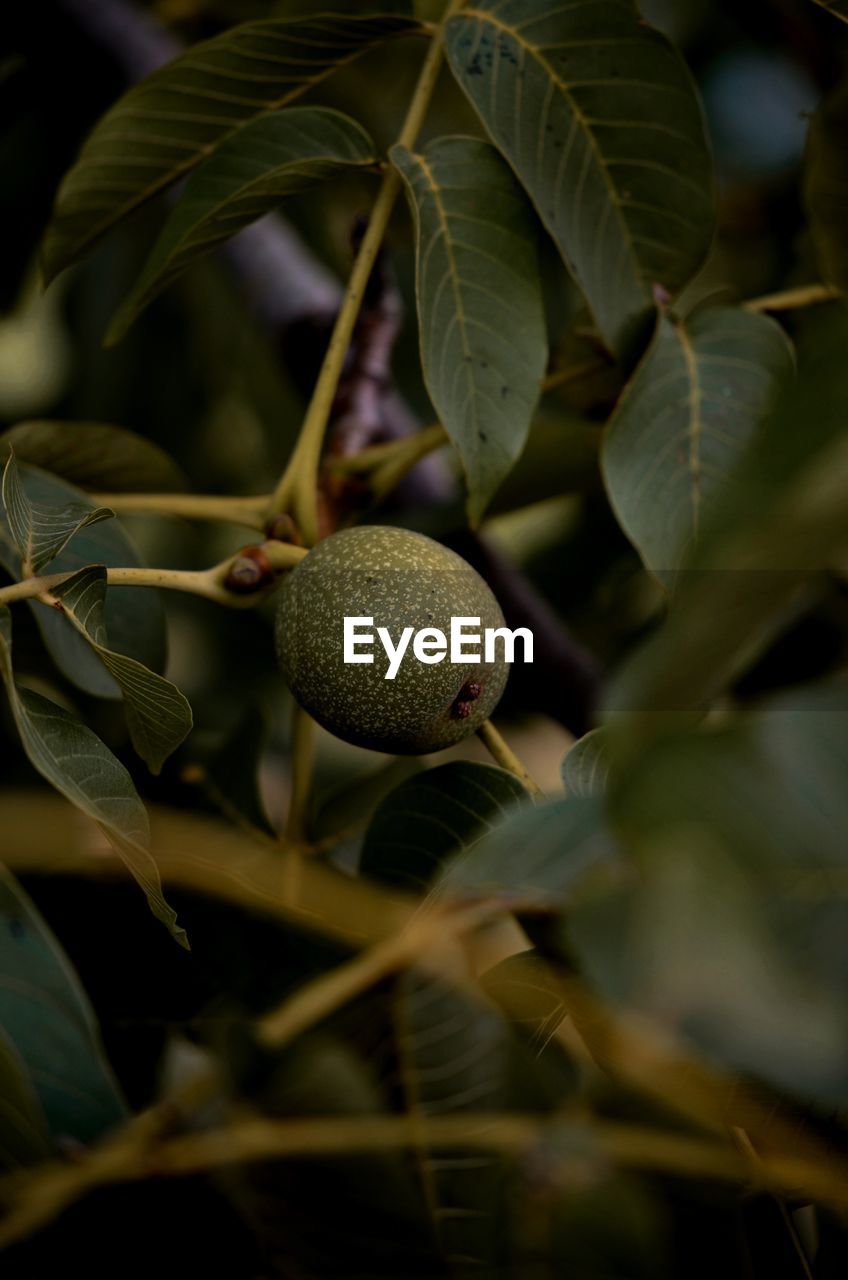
[
  {"x": 536, "y": 53},
  {"x": 444, "y": 222},
  {"x": 695, "y": 423}
]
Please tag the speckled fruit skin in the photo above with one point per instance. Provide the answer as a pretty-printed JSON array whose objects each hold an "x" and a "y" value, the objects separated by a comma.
[{"x": 400, "y": 579}]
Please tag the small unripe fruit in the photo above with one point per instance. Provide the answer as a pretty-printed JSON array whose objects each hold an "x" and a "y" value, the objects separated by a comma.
[{"x": 400, "y": 579}]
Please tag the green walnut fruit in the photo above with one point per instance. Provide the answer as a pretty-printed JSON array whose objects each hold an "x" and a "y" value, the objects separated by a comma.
[{"x": 400, "y": 580}]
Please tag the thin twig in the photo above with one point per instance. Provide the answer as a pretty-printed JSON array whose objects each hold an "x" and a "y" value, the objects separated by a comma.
[
  {"x": 388, "y": 475},
  {"x": 247, "y": 511},
  {"x": 420, "y": 938},
  {"x": 317, "y": 999},
  {"x": 574, "y": 373},
  {"x": 376, "y": 455},
  {"x": 805, "y": 295}
]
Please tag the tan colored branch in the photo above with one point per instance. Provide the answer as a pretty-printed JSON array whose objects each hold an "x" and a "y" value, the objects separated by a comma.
[
  {"x": 805, "y": 295},
  {"x": 249, "y": 511}
]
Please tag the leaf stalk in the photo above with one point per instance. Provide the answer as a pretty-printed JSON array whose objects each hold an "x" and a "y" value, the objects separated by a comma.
[
  {"x": 202, "y": 582},
  {"x": 503, "y": 755}
]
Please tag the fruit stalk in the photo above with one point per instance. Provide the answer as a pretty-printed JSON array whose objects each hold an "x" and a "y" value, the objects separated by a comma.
[{"x": 503, "y": 755}]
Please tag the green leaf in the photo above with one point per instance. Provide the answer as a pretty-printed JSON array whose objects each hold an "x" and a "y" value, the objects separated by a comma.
[
  {"x": 537, "y": 854},
  {"x": 41, "y": 532},
  {"x": 24, "y": 1139},
  {"x": 93, "y": 455},
  {"x": 687, "y": 416},
  {"x": 481, "y": 320},
  {"x": 432, "y": 816},
  {"x": 586, "y": 767},
  {"x": 248, "y": 175},
  {"x": 82, "y": 768},
  {"x": 46, "y": 1016},
  {"x": 158, "y": 715},
  {"x": 597, "y": 114},
  {"x": 826, "y": 186},
  {"x": 735, "y": 930},
  {"x": 135, "y": 620},
  {"x": 782, "y": 526},
  {"x": 162, "y": 128}
]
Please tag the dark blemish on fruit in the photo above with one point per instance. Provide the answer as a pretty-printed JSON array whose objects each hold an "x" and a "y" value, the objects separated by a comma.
[{"x": 464, "y": 702}]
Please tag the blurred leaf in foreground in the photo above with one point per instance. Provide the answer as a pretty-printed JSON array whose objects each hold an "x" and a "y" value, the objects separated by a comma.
[{"x": 47, "y": 1018}]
